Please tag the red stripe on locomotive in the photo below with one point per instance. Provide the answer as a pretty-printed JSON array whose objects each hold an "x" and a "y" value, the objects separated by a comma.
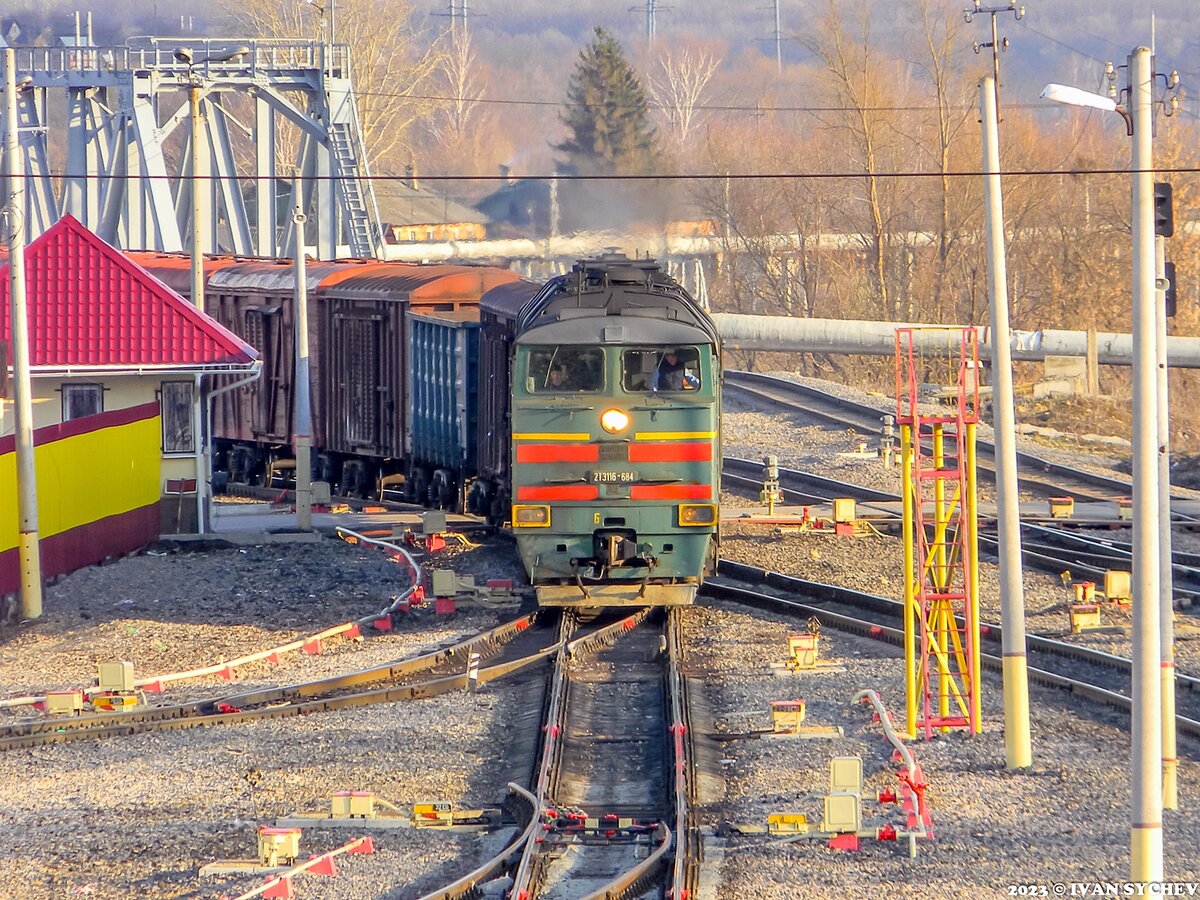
[
  {"x": 670, "y": 492},
  {"x": 564, "y": 492},
  {"x": 557, "y": 453},
  {"x": 651, "y": 453}
]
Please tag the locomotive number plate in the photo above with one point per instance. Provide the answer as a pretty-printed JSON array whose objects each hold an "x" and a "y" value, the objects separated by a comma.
[{"x": 613, "y": 477}]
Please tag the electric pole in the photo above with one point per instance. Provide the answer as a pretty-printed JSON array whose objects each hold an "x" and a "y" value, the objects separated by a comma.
[
  {"x": 997, "y": 43},
  {"x": 778, "y": 40}
]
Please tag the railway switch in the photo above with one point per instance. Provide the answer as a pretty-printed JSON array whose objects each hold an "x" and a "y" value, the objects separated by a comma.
[
  {"x": 787, "y": 716},
  {"x": 278, "y": 846},
  {"x": 1118, "y": 586},
  {"x": 115, "y": 677},
  {"x": 64, "y": 703},
  {"x": 1125, "y": 508},
  {"x": 1062, "y": 507}
]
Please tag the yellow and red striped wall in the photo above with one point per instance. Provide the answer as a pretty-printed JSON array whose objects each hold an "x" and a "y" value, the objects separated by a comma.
[{"x": 98, "y": 491}]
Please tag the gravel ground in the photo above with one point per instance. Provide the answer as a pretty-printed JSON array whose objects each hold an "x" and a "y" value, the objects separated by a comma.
[
  {"x": 138, "y": 816},
  {"x": 1064, "y": 821}
]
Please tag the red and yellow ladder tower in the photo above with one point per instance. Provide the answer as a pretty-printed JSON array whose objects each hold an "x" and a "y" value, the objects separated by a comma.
[{"x": 941, "y": 550}]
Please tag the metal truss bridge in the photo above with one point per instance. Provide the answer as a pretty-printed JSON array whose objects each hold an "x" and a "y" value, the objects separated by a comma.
[{"x": 105, "y": 136}]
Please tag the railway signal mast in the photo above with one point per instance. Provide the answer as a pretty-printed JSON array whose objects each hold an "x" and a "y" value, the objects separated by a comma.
[{"x": 1018, "y": 753}]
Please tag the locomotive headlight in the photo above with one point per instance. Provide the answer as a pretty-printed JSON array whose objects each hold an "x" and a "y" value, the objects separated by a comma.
[
  {"x": 614, "y": 420},
  {"x": 698, "y": 514},
  {"x": 530, "y": 516}
]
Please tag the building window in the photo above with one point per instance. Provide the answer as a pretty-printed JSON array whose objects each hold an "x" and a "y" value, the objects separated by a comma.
[
  {"x": 79, "y": 400},
  {"x": 176, "y": 403}
]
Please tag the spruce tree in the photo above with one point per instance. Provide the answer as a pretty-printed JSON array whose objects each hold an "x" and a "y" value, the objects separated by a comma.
[{"x": 606, "y": 113}]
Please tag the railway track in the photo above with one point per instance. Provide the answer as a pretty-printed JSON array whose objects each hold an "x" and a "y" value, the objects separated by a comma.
[
  {"x": 1036, "y": 475},
  {"x": 614, "y": 782},
  {"x": 505, "y": 649},
  {"x": 1082, "y": 671}
]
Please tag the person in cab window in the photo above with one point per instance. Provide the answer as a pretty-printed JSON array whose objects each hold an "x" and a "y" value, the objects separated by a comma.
[
  {"x": 556, "y": 380},
  {"x": 671, "y": 374}
]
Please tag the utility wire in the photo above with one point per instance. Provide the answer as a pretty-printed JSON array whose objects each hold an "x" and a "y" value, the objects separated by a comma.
[{"x": 687, "y": 176}]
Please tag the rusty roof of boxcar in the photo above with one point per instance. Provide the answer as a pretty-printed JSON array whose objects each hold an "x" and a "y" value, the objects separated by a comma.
[
  {"x": 277, "y": 276},
  {"x": 506, "y": 300},
  {"x": 416, "y": 282},
  {"x": 175, "y": 269}
]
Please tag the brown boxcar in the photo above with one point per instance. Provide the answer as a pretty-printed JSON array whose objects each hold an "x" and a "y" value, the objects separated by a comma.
[{"x": 358, "y": 356}]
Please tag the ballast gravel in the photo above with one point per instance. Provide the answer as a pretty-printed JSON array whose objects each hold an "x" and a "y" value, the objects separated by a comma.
[{"x": 139, "y": 815}]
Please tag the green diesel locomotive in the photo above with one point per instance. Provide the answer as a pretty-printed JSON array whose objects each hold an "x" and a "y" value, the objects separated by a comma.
[{"x": 614, "y": 476}]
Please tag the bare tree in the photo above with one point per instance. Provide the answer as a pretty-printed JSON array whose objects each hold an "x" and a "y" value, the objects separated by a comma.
[
  {"x": 678, "y": 88},
  {"x": 393, "y": 65},
  {"x": 857, "y": 83},
  {"x": 458, "y": 76}
]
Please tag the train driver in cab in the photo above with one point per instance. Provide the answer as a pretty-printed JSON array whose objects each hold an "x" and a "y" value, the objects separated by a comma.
[{"x": 672, "y": 375}]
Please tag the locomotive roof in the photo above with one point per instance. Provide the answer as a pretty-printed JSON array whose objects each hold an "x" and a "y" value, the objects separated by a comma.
[
  {"x": 507, "y": 300},
  {"x": 615, "y": 299}
]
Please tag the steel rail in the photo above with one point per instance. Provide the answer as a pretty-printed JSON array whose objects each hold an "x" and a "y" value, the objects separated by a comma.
[
  {"x": 1083, "y": 485},
  {"x": 491, "y": 641},
  {"x": 469, "y": 884},
  {"x": 895, "y": 635},
  {"x": 989, "y": 632}
]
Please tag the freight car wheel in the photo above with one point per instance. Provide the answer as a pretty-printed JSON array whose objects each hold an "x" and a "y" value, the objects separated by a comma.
[{"x": 442, "y": 494}]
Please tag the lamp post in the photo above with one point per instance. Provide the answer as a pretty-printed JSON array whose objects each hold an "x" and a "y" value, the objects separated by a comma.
[
  {"x": 195, "y": 85},
  {"x": 1146, "y": 839},
  {"x": 1017, "y": 749},
  {"x": 29, "y": 549}
]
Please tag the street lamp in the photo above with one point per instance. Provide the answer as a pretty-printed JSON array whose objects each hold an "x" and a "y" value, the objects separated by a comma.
[
  {"x": 29, "y": 550},
  {"x": 1146, "y": 839},
  {"x": 186, "y": 56},
  {"x": 326, "y": 12}
]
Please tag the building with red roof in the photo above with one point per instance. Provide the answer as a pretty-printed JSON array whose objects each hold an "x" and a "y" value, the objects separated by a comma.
[{"x": 118, "y": 357}]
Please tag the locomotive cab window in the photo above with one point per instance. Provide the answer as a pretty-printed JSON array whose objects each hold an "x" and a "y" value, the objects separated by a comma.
[
  {"x": 565, "y": 369},
  {"x": 661, "y": 369}
]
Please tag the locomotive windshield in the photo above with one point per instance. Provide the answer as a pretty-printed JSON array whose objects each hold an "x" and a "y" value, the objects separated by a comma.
[
  {"x": 565, "y": 369},
  {"x": 661, "y": 369}
]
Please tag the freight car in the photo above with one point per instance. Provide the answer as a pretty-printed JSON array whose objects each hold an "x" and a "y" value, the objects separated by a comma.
[
  {"x": 385, "y": 407},
  {"x": 609, "y": 448}
]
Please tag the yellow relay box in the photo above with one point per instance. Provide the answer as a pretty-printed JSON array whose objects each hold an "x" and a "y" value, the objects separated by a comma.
[
  {"x": 354, "y": 805},
  {"x": 1118, "y": 585},
  {"x": 64, "y": 703},
  {"x": 787, "y": 823},
  {"x": 843, "y": 813},
  {"x": 844, "y": 510},
  {"x": 787, "y": 716},
  {"x": 116, "y": 677},
  {"x": 802, "y": 648},
  {"x": 278, "y": 846},
  {"x": 433, "y": 815}
]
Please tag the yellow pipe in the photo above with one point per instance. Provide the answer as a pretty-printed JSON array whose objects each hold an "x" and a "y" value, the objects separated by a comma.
[
  {"x": 972, "y": 580},
  {"x": 1170, "y": 760},
  {"x": 910, "y": 625}
]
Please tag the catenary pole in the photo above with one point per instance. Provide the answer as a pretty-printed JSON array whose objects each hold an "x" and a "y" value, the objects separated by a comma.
[
  {"x": 1017, "y": 750},
  {"x": 302, "y": 415},
  {"x": 1170, "y": 760},
  {"x": 28, "y": 548},
  {"x": 1146, "y": 838}
]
